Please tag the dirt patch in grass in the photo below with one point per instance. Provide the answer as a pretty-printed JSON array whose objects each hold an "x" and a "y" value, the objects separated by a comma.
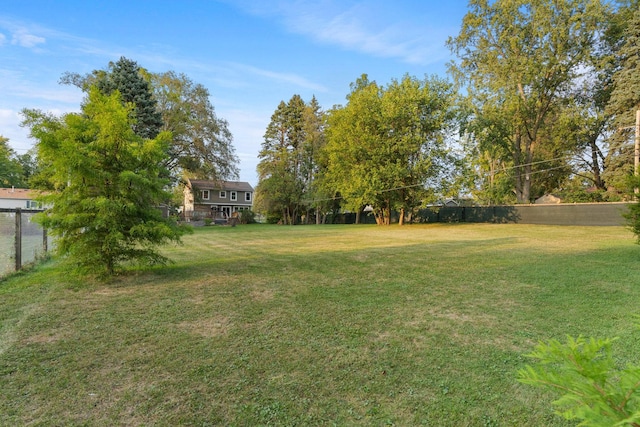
[
  {"x": 208, "y": 327},
  {"x": 44, "y": 338},
  {"x": 115, "y": 291},
  {"x": 262, "y": 295}
]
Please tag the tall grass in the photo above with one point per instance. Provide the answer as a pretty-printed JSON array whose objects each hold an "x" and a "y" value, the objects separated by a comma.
[{"x": 316, "y": 325}]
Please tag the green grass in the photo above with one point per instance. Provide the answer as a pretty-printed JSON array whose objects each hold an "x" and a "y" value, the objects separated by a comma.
[{"x": 316, "y": 325}]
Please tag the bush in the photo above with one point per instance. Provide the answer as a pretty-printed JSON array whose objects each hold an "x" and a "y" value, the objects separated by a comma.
[
  {"x": 247, "y": 217},
  {"x": 633, "y": 215},
  {"x": 594, "y": 390}
]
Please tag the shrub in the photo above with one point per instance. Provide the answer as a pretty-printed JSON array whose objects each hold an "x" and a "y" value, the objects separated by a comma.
[
  {"x": 247, "y": 217},
  {"x": 594, "y": 390}
]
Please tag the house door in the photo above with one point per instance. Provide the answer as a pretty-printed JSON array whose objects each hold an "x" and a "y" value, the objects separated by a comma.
[{"x": 227, "y": 211}]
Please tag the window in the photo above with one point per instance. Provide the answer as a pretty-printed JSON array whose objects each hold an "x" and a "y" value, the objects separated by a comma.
[
  {"x": 205, "y": 194},
  {"x": 247, "y": 197},
  {"x": 234, "y": 196},
  {"x": 223, "y": 194}
]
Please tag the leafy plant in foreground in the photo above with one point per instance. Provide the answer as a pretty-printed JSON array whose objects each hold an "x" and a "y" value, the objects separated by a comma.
[{"x": 594, "y": 390}]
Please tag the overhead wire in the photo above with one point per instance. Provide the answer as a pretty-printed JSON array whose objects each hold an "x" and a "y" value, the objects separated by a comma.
[{"x": 566, "y": 157}]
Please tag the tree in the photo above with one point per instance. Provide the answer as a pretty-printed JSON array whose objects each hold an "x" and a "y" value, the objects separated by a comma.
[
  {"x": 521, "y": 57},
  {"x": 29, "y": 163},
  {"x": 202, "y": 145},
  {"x": 625, "y": 101},
  {"x": 11, "y": 172},
  {"x": 288, "y": 165},
  {"x": 386, "y": 147},
  {"x": 105, "y": 185},
  {"x": 126, "y": 77}
]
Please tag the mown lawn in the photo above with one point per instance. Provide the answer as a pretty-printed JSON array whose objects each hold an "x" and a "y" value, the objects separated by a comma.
[{"x": 316, "y": 325}]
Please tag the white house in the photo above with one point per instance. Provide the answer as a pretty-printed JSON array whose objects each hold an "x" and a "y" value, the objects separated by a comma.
[{"x": 12, "y": 198}]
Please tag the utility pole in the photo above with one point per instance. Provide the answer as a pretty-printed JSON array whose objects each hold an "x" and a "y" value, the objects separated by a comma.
[
  {"x": 636, "y": 163},
  {"x": 636, "y": 158}
]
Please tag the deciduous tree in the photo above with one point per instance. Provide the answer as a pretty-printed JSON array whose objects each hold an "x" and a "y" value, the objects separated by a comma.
[
  {"x": 521, "y": 57},
  {"x": 105, "y": 184},
  {"x": 202, "y": 145},
  {"x": 11, "y": 172},
  {"x": 386, "y": 146},
  {"x": 624, "y": 102}
]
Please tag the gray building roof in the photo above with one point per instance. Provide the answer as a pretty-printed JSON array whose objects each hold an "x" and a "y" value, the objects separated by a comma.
[{"x": 202, "y": 184}]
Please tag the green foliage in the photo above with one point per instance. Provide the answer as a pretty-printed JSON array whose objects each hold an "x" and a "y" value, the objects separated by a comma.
[
  {"x": 11, "y": 171},
  {"x": 594, "y": 390},
  {"x": 519, "y": 60},
  {"x": 125, "y": 76},
  {"x": 625, "y": 96},
  {"x": 202, "y": 145},
  {"x": 633, "y": 214},
  {"x": 387, "y": 146},
  {"x": 289, "y": 159},
  {"x": 105, "y": 185},
  {"x": 247, "y": 217}
]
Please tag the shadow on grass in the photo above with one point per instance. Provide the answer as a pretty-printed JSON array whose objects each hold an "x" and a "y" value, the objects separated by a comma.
[{"x": 404, "y": 333}]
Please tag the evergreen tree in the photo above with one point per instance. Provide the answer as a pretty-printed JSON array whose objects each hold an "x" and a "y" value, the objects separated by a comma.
[
  {"x": 125, "y": 77},
  {"x": 202, "y": 144},
  {"x": 286, "y": 168}
]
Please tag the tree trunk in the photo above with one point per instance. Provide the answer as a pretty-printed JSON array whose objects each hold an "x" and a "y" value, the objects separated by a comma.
[
  {"x": 522, "y": 171},
  {"x": 401, "y": 219},
  {"x": 595, "y": 165},
  {"x": 387, "y": 214},
  {"x": 358, "y": 216}
]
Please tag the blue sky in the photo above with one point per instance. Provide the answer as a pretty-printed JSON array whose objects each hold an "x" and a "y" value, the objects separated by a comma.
[{"x": 250, "y": 54}]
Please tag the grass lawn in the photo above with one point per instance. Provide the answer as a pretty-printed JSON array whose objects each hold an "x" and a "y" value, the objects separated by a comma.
[{"x": 316, "y": 325}]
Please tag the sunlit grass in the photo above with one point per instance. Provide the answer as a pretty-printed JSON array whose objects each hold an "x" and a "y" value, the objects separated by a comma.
[{"x": 316, "y": 325}]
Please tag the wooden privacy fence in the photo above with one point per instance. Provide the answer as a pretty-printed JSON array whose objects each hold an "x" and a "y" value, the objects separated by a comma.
[{"x": 22, "y": 241}]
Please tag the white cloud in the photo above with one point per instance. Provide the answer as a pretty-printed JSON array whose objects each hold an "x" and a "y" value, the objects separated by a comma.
[
  {"x": 289, "y": 78},
  {"x": 23, "y": 38},
  {"x": 21, "y": 34},
  {"x": 373, "y": 27}
]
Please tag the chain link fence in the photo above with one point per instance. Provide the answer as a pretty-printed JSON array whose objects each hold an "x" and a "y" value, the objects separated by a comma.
[{"x": 22, "y": 241}]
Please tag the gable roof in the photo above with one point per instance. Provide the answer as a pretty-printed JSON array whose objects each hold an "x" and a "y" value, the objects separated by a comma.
[
  {"x": 17, "y": 193},
  {"x": 203, "y": 184}
]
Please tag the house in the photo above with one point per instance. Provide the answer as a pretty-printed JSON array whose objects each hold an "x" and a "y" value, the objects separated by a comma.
[
  {"x": 215, "y": 199},
  {"x": 12, "y": 198}
]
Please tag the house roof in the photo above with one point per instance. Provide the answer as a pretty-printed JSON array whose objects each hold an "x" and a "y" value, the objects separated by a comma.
[
  {"x": 203, "y": 184},
  {"x": 17, "y": 193}
]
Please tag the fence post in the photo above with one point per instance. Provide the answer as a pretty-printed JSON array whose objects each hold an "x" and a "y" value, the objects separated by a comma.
[
  {"x": 18, "y": 239},
  {"x": 45, "y": 243}
]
